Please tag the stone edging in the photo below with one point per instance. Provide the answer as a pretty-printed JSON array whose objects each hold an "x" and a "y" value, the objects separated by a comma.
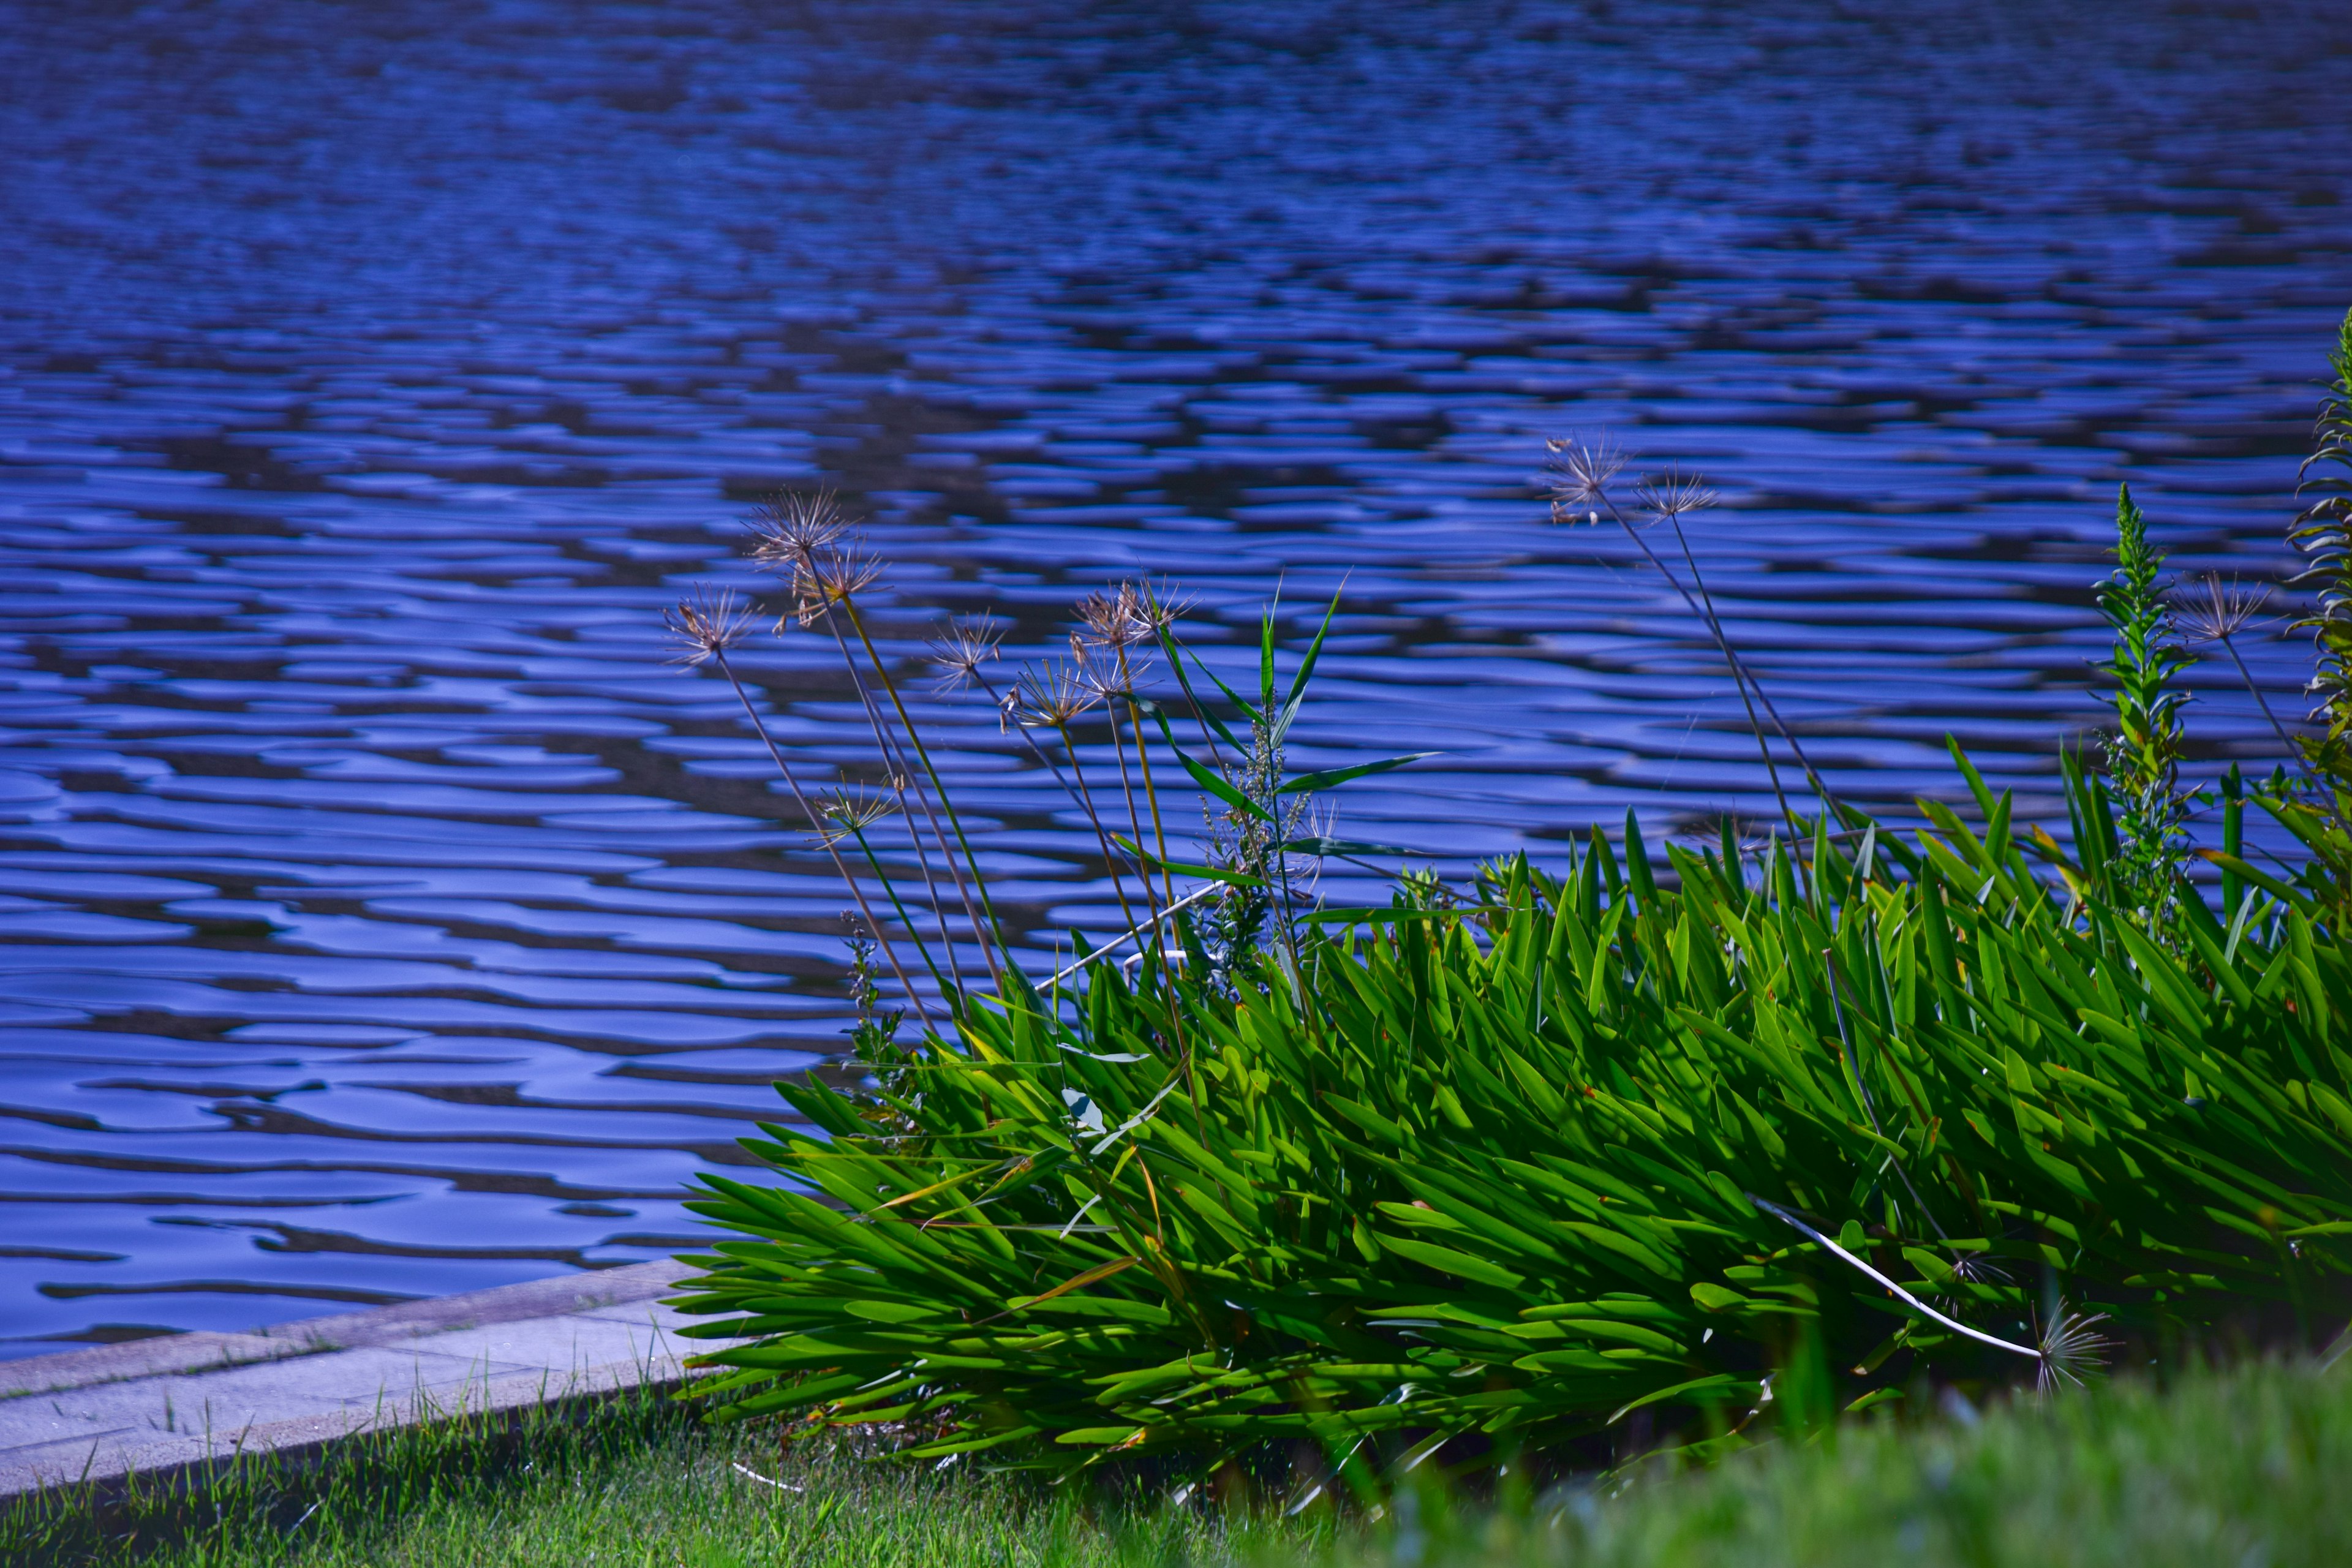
[{"x": 98, "y": 1415}]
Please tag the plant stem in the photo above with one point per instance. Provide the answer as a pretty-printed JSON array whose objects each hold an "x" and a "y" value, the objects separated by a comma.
[
  {"x": 1087, "y": 799},
  {"x": 1723, "y": 641},
  {"x": 894, "y": 763},
  {"x": 1897, "y": 1291},
  {"x": 841, "y": 866},
  {"x": 1741, "y": 678},
  {"x": 1189, "y": 899},
  {"x": 922, "y": 754},
  {"x": 2264, "y": 702},
  {"x": 1134, "y": 819},
  {"x": 1740, "y": 665},
  {"x": 890, "y": 891},
  {"x": 1151, "y": 794}
]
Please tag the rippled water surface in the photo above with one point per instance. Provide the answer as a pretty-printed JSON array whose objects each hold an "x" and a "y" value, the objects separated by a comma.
[{"x": 381, "y": 916}]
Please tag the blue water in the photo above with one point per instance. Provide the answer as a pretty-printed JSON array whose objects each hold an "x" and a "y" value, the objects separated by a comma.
[{"x": 381, "y": 916}]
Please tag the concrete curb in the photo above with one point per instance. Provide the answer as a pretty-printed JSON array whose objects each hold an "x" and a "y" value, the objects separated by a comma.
[{"x": 162, "y": 1407}]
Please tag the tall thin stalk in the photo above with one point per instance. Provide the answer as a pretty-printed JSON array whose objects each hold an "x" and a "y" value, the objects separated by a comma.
[
  {"x": 1723, "y": 641},
  {"x": 2229, "y": 647},
  {"x": 802, "y": 535},
  {"x": 881, "y": 936},
  {"x": 1086, "y": 800},
  {"x": 937, "y": 788},
  {"x": 1151, "y": 899},
  {"x": 2215, "y": 611},
  {"x": 1151, "y": 794},
  {"x": 904, "y": 779},
  {"x": 1112, "y": 625},
  {"x": 1585, "y": 473}
]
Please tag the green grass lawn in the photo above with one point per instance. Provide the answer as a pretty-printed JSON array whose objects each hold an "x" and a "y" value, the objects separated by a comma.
[{"x": 2252, "y": 1468}]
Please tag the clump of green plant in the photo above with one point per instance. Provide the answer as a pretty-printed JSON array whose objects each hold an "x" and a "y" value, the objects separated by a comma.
[
  {"x": 1580, "y": 1150},
  {"x": 1558, "y": 1163}
]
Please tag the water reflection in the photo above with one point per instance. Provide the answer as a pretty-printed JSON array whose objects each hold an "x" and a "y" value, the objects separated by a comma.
[{"x": 381, "y": 916}]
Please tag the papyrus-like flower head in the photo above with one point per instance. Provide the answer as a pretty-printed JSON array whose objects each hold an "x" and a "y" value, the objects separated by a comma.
[
  {"x": 961, "y": 649},
  {"x": 790, "y": 529},
  {"x": 1673, "y": 494},
  {"x": 832, "y": 577},
  {"x": 1581, "y": 470},
  {"x": 706, "y": 623},
  {"x": 842, "y": 814},
  {"x": 1054, "y": 696},
  {"x": 2210, "y": 610}
]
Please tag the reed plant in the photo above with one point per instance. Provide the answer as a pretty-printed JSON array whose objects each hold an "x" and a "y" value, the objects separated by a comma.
[{"x": 1564, "y": 1163}]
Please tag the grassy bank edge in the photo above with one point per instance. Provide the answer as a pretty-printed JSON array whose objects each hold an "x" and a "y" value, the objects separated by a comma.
[{"x": 2242, "y": 1466}]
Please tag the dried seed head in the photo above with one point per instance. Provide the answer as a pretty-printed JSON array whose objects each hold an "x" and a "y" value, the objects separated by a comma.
[
  {"x": 835, "y": 577},
  {"x": 1581, "y": 471},
  {"x": 960, "y": 650},
  {"x": 1052, "y": 696},
  {"x": 1160, "y": 608},
  {"x": 1107, "y": 674},
  {"x": 2210, "y": 610},
  {"x": 1113, "y": 620},
  {"x": 706, "y": 623},
  {"x": 2071, "y": 1345},
  {"x": 789, "y": 528},
  {"x": 1131, "y": 614},
  {"x": 844, "y": 815},
  {"x": 1978, "y": 1268},
  {"x": 1673, "y": 494}
]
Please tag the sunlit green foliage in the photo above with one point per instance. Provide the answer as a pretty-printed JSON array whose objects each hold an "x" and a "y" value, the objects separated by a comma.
[
  {"x": 1570, "y": 1159},
  {"x": 1493, "y": 1170}
]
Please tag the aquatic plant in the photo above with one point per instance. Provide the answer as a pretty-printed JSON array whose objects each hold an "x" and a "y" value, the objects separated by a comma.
[
  {"x": 1560, "y": 1158},
  {"x": 1583, "y": 474},
  {"x": 1574, "y": 1150}
]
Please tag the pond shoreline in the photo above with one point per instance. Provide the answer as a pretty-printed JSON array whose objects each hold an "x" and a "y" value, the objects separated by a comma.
[{"x": 169, "y": 1409}]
